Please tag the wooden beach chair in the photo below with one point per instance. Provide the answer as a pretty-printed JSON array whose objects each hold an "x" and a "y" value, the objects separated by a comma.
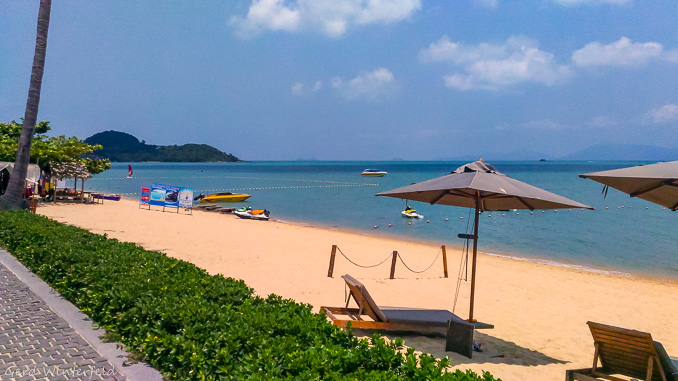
[
  {"x": 369, "y": 315},
  {"x": 625, "y": 352}
]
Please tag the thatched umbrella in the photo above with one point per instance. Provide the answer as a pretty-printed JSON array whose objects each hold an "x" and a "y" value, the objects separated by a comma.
[{"x": 70, "y": 170}]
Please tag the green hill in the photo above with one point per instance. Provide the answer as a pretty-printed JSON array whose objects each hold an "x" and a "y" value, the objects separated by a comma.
[{"x": 120, "y": 146}]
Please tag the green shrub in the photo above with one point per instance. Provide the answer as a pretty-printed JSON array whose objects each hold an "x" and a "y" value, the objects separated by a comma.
[{"x": 194, "y": 326}]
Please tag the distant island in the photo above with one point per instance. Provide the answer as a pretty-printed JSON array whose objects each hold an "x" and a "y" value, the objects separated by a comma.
[{"x": 121, "y": 146}]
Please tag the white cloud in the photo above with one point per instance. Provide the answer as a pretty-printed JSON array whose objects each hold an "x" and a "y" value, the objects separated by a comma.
[
  {"x": 267, "y": 15},
  {"x": 662, "y": 115},
  {"x": 492, "y": 66},
  {"x": 332, "y": 17},
  {"x": 490, "y": 4},
  {"x": 602, "y": 121},
  {"x": 300, "y": 89},
  {"x": 372, "y": 85},
  {"x": 580, "y": 2},
  {"x": 619, "y": 53},
  {"x": 540, "y": 125}
]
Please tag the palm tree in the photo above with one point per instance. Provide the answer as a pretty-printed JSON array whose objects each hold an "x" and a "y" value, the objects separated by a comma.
[{"x": 13, "y": 197}]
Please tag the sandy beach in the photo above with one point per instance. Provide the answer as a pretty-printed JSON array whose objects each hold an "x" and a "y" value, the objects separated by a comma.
[{"x": 539, "y": 311}]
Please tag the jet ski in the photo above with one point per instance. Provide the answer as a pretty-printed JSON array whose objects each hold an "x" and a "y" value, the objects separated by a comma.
[
  {"x": 411, "y": 213},
  {"x": 249, "y": 214}
]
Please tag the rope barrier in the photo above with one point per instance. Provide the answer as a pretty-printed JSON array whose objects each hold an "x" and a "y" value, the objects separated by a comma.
[
  {"x": 394, "y": 256},
  {"x": 365, "y": 267},
  {"x": 426, "y": 269}
]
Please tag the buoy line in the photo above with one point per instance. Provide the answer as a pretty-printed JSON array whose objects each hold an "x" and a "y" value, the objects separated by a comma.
[
  {"x": 227, "y": 177},
  {"x": 267, "y": 188}
]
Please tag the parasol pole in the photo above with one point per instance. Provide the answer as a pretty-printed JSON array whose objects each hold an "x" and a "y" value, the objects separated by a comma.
[{"x": 475, "y": 253}]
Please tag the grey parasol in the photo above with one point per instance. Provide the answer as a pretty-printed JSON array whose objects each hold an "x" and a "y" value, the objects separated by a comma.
[
  {"x": 657, "y": 183},
  {"x": 480, "y": 186}
]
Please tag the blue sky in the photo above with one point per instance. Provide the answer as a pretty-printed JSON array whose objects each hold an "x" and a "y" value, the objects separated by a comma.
[{"x": 353, "y": 79}]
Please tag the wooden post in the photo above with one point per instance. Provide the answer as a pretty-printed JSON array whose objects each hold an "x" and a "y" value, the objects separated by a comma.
[
  {"x": 444, "y": 260},
  {"x": 332, "y": 255},
  {"x": 393, "y": 264}
]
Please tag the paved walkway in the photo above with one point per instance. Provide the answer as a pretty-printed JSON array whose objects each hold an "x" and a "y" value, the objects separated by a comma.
[{"x": 44, "y": 337}]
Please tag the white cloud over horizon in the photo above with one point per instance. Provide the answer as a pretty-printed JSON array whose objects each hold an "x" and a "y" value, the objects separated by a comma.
[
  {"x": 370, "y": 85},
  {"x": 489, "y": 4},
  {"x": 332, "y": 17},
  {"x": 623, "y": 52},
  {"x": 603, "y": 121},
  {"x": 299, "y": 88},
  {"x": 582, "y": 2},
  {"x": 493, "y": 66},
  {"x": 662, "y": 115},
  {"x": 539, "y": 125}
]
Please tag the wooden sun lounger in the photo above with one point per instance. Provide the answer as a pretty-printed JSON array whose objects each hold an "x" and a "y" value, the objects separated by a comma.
[
  {"x": 625, "y": 352},
  {"x": 369, "y": 315}
]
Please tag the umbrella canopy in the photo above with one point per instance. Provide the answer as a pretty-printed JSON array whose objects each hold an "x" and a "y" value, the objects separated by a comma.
[
  {"x": 657, "y": 183},
  {"x": 479, "y": 180},
  {"x": 479, "y": 185}
]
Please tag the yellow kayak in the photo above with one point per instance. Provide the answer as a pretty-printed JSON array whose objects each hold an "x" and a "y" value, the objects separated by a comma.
[{"x": 225, "y": 197}]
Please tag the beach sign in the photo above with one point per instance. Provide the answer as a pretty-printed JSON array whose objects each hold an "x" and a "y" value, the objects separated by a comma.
[
  {"x": 169, "y": 196},
  {"x": 186, "y": 198},
  {"x": 164, "y": 195},
  {"x": 145, "y": 197}
]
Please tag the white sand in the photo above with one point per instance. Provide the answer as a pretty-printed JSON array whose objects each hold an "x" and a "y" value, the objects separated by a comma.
[{"x": 539, "y": 311}]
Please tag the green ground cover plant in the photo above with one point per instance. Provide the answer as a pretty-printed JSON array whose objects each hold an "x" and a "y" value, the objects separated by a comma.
[{"x": 194, "y": 326}]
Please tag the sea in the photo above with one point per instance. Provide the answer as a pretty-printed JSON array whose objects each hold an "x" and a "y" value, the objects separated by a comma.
[{"x": 623, "y": 235}]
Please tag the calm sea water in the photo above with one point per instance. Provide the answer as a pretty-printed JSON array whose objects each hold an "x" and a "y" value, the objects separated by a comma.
[{"x": 622, "y": 235}]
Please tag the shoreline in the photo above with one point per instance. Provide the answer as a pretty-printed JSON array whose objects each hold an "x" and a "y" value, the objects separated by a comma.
[
  {"x": 539, "y": 310},
  {"x": 507, "y": 255}
]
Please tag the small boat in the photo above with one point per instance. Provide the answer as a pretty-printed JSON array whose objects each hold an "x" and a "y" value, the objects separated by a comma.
[
  {"x": 373, "y": 172},
  {"x": 411, "y": 213},
  {"x": 105, "y": 196},
  {"x": 225, "y": 197},
  {"x": 249, "y": 214}
]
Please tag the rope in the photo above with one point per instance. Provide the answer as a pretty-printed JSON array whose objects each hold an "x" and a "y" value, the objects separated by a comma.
[
  {"x": 365, "y": 267},
  {"x": 426, "y": 269},
  {"x": 464, "y": 248}
]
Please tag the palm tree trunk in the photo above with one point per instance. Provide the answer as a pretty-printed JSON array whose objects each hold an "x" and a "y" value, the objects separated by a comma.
[{"x": 13, "y": 197}]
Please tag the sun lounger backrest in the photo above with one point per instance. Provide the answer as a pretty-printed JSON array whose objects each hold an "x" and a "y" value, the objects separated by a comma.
[
  {"x": 626, "y": 352},
  {"x": 364, "y": 300}
]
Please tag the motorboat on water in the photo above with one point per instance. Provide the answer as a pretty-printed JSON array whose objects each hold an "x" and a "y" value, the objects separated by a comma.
[
  {"x": 224, "y": 197},
  {"x": 373, "y": 172},
  {"x": 249, "y": 214},
  {"x": 411, "y": 213}
]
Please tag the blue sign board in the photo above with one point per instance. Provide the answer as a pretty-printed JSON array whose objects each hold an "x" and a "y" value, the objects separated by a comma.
[{"x": 164, "y": 195}]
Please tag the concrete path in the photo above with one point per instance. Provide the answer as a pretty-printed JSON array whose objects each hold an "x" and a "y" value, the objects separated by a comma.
[{"x": 44, "y": 337}]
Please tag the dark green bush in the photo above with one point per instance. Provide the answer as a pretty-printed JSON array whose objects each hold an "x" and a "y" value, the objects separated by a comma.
[{"x": 194, "y": 326}]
